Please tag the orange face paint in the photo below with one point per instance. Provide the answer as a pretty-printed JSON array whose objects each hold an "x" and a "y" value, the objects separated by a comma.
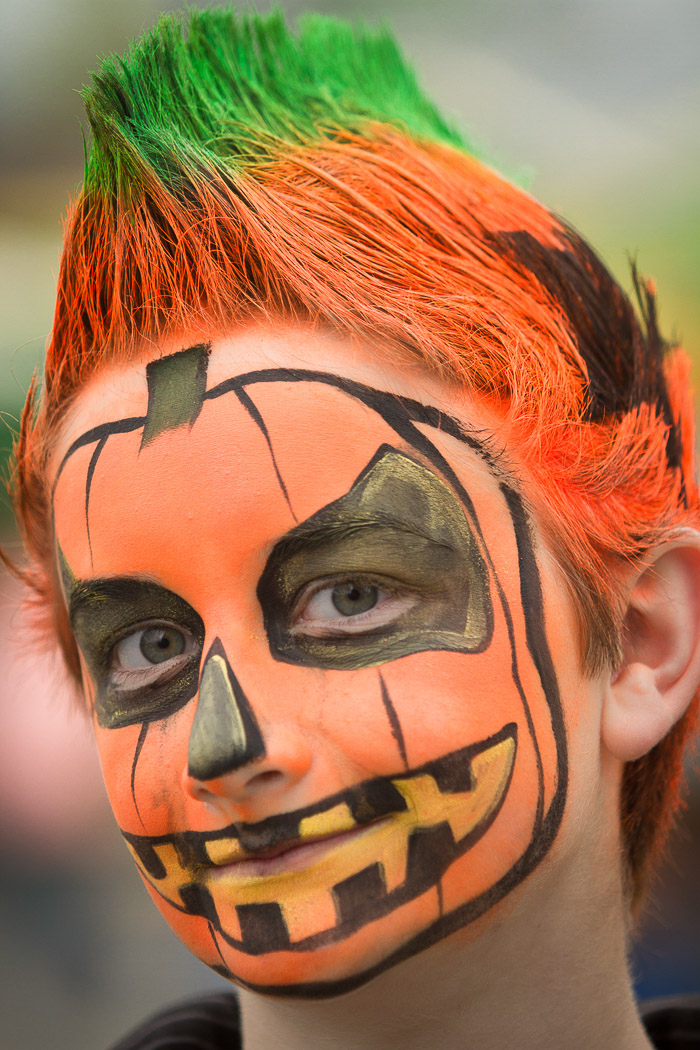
[{"x": 312, "y": 628}]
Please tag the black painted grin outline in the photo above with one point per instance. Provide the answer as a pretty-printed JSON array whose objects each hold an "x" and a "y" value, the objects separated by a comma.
[{"x": 478, "y": 775}]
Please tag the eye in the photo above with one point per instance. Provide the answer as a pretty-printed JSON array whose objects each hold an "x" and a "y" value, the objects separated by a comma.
[
  {"x": 150, "y": 654},
  {"x": 350, "y": 606},
  {"x": 350, "y": 598}
]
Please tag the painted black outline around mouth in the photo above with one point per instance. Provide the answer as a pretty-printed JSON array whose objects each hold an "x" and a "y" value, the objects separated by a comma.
[{"x": 430, "y": 851}]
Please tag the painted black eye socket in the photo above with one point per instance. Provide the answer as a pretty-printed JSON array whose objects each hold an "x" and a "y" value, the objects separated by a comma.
[{"x": 142, "y": 644}]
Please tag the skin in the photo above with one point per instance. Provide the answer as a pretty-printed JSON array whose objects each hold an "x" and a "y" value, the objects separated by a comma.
[{"x": 242, "y": 778}]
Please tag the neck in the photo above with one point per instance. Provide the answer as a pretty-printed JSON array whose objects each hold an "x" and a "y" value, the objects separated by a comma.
[{"x": 529, "y": 978}]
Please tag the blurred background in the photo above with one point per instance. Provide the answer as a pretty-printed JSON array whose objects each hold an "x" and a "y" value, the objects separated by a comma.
[{"x": 596, "y": 102}]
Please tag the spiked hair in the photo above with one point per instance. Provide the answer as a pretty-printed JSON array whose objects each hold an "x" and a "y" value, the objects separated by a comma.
[{"x": 237, "y": 169}]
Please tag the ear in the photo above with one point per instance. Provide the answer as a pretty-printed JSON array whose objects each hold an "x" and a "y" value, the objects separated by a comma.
[{"x": 660, "y": 669}]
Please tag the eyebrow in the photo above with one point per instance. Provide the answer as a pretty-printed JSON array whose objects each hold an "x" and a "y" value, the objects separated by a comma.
[
  {"x": 309, "y": 535},
  {"x": 88, "y": 593}
]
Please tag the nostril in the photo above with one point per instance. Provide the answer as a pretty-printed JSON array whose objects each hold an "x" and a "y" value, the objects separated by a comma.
[
  {"x": 197, "y": 790},
  {"x": 265, "y": 780}
]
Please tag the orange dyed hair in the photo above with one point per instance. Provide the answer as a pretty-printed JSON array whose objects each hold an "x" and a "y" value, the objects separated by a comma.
[{"x": 369, "y": 216}]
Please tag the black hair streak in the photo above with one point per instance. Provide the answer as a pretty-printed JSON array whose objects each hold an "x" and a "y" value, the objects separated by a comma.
[{"x": 624, "y": 357}]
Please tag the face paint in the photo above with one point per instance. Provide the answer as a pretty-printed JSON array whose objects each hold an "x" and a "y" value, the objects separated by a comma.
[
  {"x": 225, "y": 735},
  {"x": 102, "y": 614},
  {"x": 312, "y": 621},
  {"x": 397, "y": 521}
]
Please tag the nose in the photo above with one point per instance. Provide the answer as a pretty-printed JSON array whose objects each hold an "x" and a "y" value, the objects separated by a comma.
[{"x": 228, "y": 762}]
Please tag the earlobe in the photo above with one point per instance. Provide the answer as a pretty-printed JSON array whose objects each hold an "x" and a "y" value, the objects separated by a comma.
[{"x": 660, "y": 669}]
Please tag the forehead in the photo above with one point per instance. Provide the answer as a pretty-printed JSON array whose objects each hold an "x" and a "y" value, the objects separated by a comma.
[
  {"x": 120, "y": 390},
  {"x": 269, "y": 459}
]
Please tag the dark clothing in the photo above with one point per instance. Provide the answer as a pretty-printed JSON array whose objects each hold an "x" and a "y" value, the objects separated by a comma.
[
  {"x": 674, "y": 1023},
  {"x": 213, "y": 1023}
]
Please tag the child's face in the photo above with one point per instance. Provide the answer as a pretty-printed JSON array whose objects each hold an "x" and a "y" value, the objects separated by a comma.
[{"x": 322, "y": 648}]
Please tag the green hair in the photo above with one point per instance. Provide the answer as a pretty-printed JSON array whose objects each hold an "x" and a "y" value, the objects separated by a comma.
[{"x": 218, "y": 89}]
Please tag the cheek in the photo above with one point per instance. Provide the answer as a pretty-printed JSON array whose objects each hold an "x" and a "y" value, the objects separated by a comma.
[
  {"x": 343, "y": 714},
  {"x": 445, "y": 701},
  {"x": 142, "y": 766}
]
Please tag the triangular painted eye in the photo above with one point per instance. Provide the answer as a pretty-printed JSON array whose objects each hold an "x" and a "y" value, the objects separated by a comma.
[{"x": 401, "y": 526}]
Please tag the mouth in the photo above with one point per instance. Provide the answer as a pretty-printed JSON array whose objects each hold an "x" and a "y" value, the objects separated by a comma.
[
  {"x": 309, "y": 877},
  {"x": 290, "y": 856},
  {"x": 312, "y": 831}
]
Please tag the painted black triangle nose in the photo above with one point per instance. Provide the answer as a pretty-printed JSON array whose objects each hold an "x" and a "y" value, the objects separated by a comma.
[{"x": 225, "y": 735}]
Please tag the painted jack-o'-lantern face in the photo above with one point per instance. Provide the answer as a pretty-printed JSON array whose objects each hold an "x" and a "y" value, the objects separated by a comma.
[{"x": 313, "y": 636}]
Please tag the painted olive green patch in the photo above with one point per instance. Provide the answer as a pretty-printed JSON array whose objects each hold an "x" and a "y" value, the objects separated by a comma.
[{"x": 176, "y": 388}]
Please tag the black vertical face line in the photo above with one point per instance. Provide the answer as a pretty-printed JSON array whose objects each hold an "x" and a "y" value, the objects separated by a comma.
[
  {"x": 254, "y": 413},
  {"x": 394, "y": 723},
  {"x": 176, "y": 388},
  {"x": 225, "y": 735},
  {"x": 532, "y": 599},
  {"x": 223, "y": 969},
  {"x": 88, "y": 484},
  {"x": 137, "y": 753},
  {"x": 398, "y": 527}
]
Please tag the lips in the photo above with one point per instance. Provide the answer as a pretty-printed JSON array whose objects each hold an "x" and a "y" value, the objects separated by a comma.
[
  {"x": 292, "y": 855},
  {"x": 275, "y": 837}
]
